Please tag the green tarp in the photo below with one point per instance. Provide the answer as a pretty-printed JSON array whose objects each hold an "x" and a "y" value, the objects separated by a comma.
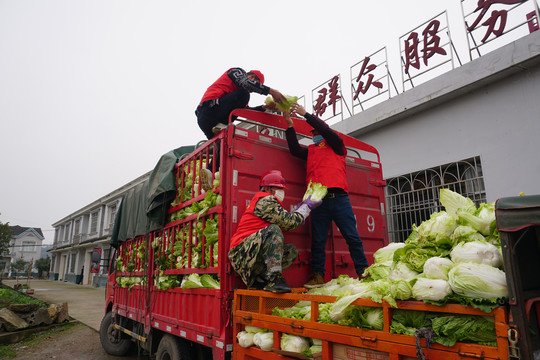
[
  {"x": 144, "y": 207},
  {"x": 517, "y": 212}
]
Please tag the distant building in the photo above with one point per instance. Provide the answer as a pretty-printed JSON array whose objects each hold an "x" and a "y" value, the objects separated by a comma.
[
  {"x": 78, "y": 234},
  {"x": 26, "y": 244}
]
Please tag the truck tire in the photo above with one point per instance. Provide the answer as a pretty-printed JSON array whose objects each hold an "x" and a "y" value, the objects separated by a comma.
[
  {"x": 170, "y": 348},
  {"x": 117, "y": 346}
]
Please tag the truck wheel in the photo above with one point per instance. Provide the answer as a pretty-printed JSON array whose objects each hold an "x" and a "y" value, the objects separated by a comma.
[
  {"x": 118, "y": 345},
  {"x": 171, "y": 349}
]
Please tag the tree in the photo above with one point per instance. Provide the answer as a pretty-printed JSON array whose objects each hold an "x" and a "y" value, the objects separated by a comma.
[
  {"x": 5, "y": 237},
  {"x": 20, "y": 266},
  {"x": 42, "y": 265}
]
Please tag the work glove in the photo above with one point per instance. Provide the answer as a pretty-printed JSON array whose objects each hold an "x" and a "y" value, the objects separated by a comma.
[
  {"x": 304, "y": 208},
  {"x": 312, "y": 204}
]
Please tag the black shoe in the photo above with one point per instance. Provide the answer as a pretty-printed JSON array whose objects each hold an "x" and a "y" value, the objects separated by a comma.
[
  {"x": 257, "y": 285},
  {"x": 277, "y": 285}
]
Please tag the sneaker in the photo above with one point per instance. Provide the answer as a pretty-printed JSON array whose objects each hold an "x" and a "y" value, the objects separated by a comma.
[
  {"x": 316, "y": 280},
  {"x": 277, "y": 285},
  {"x": 216, "y": 129},
  {"x": 206, "y": 179}
]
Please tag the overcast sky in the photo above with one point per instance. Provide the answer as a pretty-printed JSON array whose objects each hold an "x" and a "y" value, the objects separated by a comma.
[{"x": 93, "y": 92}]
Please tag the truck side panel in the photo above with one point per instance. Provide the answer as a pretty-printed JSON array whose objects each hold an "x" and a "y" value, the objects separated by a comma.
[{"x": 205, "y": 315}]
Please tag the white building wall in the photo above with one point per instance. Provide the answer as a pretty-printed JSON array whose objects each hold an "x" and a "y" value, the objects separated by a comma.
[{"x": 489, "y": 108}]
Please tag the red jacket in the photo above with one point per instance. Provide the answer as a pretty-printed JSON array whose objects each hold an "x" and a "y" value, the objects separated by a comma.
[
  {"x": 326, "y": 167},
  {"x": 250, "y": 223},
  {"x": 232, "y": 80}
]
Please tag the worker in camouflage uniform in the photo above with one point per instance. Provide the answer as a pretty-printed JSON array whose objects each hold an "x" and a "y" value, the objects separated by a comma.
[{"x": 258, "y": 252}]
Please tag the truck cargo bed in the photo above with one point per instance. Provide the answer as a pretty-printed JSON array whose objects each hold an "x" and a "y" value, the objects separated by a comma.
[{"x": 255, "y": 308}]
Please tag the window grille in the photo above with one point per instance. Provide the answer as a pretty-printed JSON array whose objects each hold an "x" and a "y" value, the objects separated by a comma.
[
  {"x": 93, "y": 222},
  {"x": 412, "y": 198},
  {"x": 28, "y": 246},
  {"x": 112, "y": 215},
  {"x": 67, "y": 232}
]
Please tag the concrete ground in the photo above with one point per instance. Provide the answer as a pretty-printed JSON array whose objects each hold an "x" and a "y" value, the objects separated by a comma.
[{"x": 85, "y": 303}]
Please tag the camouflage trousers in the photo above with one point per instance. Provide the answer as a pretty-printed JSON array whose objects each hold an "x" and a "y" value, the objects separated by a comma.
[{"x": 262, "y": 255}]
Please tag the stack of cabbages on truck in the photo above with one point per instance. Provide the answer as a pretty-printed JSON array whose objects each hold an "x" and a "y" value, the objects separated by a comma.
[
  {"x": 186, "y": 251},
  {"x": 454, "y": 257}
]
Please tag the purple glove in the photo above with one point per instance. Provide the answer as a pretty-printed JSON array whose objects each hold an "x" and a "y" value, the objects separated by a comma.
[{"x": 312, "y": 204}]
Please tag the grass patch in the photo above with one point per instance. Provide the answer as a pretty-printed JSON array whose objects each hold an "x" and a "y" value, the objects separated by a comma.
[
  {"x": 10, "y": 351},
  {"x": 10, "y": 296}
]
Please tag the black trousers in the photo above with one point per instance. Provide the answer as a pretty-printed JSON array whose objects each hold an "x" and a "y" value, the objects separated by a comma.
[{"x": 211, "y": 113}]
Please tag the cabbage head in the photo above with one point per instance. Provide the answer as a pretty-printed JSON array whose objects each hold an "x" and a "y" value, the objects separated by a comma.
[
  {"x": 285, "y": 105},
  {"x": 478, "y": 281},
  {"x": 264, "y": 340},
  {"x": 400, "y": 271},
  {"x": 294, "y": 343},
  {"x": 437, "y": 267},
  {"x": 479, "y": 252},
  {"x": 317, "y": 191},
  {"x": 431, "y": 289},
  {"x": 245, "y": 339}
]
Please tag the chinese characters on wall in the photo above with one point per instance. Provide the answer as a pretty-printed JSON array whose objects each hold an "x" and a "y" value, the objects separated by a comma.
[{"x": 426, "y": 51}]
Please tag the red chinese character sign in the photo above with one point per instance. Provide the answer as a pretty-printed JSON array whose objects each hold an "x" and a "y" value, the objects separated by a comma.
[
  {"x": 327, "y": 100},
  {"x": 491, "y": 24},
  {"x": 426, "y": 48},
  {"x": 369, "y": 80}
]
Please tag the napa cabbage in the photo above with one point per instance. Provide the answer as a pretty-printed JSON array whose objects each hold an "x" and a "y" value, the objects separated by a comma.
[
  {"x": 480, "y": 252},
  {"x": 437, "y": 267},
  {"x": 294, "y": 343},
  {"x": 285, "y": 105},
  {"x": 317, "y": 191},
  {"x": 478, "y": 281}
]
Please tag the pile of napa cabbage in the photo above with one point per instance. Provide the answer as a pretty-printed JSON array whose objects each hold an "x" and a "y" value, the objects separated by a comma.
[
  {"x": 264, "y": 340},
  {"x": 453, "y": 257}
]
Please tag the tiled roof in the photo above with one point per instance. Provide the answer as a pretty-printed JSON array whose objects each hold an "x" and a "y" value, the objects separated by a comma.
[{"x": 18, "y": 230}]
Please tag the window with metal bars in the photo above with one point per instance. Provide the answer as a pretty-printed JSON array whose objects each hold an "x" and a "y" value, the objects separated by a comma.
[{"x": 412, "y": 198}]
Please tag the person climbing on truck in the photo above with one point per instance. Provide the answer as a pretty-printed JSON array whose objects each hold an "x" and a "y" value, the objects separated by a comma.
[
  {"x": 230, "y": 91},
  {"x": 257, "y": 252},
  {"x": 326, "y": 165}
]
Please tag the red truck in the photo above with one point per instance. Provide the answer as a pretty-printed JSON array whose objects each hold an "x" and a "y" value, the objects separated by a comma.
[
  {"x": 144, "y": 298},
  {"x": 148, "y": 299}
]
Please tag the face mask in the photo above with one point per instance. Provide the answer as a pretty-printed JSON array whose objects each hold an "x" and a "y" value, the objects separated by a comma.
[
  {"x": 317, "y": 139},
  {"x": 279, "y": 194}
]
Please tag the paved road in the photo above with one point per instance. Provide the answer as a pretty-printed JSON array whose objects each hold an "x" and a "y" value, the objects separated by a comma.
[{"x": 85, "y": 303}]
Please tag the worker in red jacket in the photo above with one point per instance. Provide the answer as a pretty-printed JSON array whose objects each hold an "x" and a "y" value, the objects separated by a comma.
[
  {"x": 325, "y": 164},
  {"x": 230, "y": 91},
  {"x": 257, "y": 250}
]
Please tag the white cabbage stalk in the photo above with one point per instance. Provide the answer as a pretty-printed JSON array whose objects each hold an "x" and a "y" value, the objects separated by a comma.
[
  {"x": 254, "y": 329},
  {"x": 431, "y": 289},
  {"x": 478, "y": 281},
  {"x": 477, "y": 252},
  {"x": 400, "y": 271},
  {"x": 437, "y": 267},
  {"x": 337, "y": 310},
  {"x": 294, "y": 343},
  {"x": 264, "y": 340},
  {"x": 374, "y": 317},
  {"x": 387, "y": 253},
  {"x": 245, "y": 339}
]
